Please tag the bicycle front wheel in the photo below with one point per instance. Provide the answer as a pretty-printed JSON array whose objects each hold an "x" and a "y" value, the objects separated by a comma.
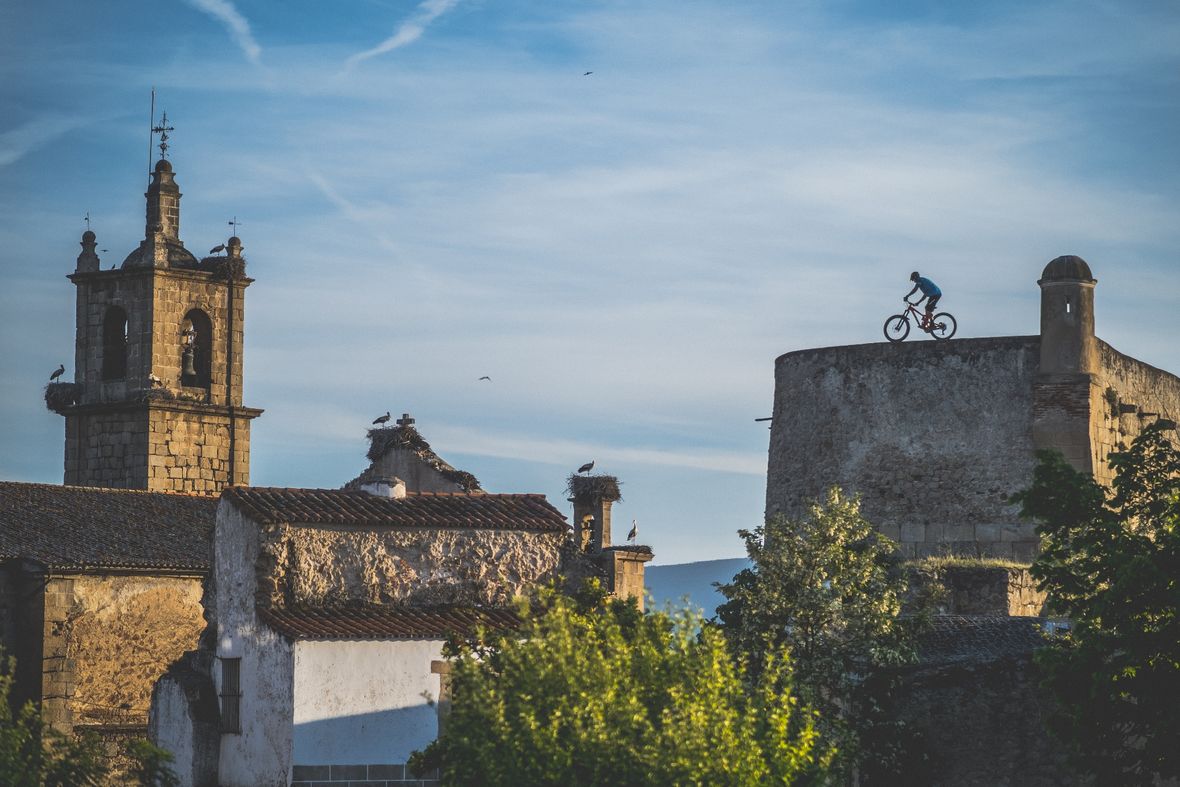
[
  {"x": 943, "y": 326},
  {"x": 897, "y": 328}
]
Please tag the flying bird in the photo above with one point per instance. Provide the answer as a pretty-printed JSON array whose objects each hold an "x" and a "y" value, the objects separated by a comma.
[
  {"x": 58, "y": 372},
  {"x": 588, "y": 73},
  {"x": 634, "y": 531},
  {"x": 216, "y": 249},
  {"x": 586, "y": 468},
  {"x": 485, "y": 377},
  {"x": 381, "y": 419}
]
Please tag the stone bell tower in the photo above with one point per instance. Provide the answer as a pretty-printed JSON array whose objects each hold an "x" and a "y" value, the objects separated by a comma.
[{"x": 156, "y": 401}]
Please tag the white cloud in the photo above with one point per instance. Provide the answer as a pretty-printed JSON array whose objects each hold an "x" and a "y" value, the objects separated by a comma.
[
  {"x": 16, "y": 143},
  {"x": 237, "y": 26},
  {"x": 409, "y": 31}
]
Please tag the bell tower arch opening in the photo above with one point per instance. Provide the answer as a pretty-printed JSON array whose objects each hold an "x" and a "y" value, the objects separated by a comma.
[
  {"x": 114, "y": 344},
  {"x": 196, "y": 356}
]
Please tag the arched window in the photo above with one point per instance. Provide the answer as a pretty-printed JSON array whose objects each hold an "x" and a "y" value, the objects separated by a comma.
[
  {"x": 196, "y": 360},
  {"x": 114, "y": 344}
]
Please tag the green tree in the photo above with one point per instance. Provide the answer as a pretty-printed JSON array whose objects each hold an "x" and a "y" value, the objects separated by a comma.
[
  {"x": 32, "y": 754},
  {"x": 828, "y": 589},
  {"x": 1110, "y": 562},
  {"x": 601, "y": 694}
]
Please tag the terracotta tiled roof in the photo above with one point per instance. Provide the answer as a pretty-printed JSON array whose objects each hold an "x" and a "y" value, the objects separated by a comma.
[
  {"x": 383, "y": 622},
  {"x": 964, "y": 638},
  {"x": 427, "y": 509},
  {"x": 75, "y": 527}
]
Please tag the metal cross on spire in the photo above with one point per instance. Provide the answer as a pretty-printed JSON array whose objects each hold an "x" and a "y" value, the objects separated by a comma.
[
  {"x": 87, "y": 219},
  {"x": 234, "y": 223},
  {"x": 163, "y": 130}
]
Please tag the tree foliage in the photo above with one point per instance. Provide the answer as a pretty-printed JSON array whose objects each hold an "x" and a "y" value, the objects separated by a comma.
[
  {"x": 828, "y": 588},
  {"x": 601, "y": 694},
  {"x": 1110, "y": 562},
  {"x": 32, "y": 754}
]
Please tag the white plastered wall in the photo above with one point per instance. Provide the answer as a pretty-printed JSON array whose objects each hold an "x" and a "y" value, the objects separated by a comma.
[
  {"x": 260, "y": 756},
  {"x": 361, "y": 701}
]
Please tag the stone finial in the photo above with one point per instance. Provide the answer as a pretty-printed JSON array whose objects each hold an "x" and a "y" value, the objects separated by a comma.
[
  {"x": 233, "y": 247},
  {"x": 405, "y": 420},
  {"x": 88, "y": 261}
]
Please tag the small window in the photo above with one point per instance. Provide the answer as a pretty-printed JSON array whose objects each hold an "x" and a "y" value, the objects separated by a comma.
[
  {"x": 231, "y": 696},
  {"x": 114, "y": 344}
]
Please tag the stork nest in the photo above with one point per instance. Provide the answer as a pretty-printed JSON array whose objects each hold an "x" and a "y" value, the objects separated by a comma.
[
  {"x": 224, "y": 267},
  {"x": 59, "y": 396},
  {"x": 593, "y": 487},
  {"x": 407, "y": 438}
]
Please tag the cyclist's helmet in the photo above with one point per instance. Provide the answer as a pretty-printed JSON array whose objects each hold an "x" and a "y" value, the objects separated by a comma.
[{"x": 914, "y": 276}]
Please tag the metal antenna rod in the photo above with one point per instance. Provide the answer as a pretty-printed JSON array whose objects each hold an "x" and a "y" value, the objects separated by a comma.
[
  {"x": 87, "y": 221},
  {"x": 151, "y": 125}
]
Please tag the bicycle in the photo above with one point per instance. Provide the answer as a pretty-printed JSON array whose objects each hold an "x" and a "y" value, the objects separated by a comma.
[{"x": 942, "y": 326}]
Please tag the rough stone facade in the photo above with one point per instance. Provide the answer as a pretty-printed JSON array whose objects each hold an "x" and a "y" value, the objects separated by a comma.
[
  {"x": 966, "y": 589},
  {"x": 158, "y": 363},
  {"x": 106, "y": 641},
  {"x": 314, "y": 565},
  {"x": 936, "y": 437}
]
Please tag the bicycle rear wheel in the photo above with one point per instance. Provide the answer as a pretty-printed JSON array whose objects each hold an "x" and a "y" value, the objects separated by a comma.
[
  {"x": 897, "y": 328},
  {"x": 943, "y": 326}
]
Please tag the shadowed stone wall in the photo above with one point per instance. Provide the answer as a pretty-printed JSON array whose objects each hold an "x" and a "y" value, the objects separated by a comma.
[{"x": 935, "y": 437}]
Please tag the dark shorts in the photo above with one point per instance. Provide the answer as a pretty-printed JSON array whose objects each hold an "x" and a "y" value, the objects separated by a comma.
[{"x": 931, "y": 302}]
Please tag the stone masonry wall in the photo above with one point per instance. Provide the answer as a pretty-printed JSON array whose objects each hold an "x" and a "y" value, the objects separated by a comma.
[
  {"x": 156, "y": 302},
  {"x": 170, "y": 447},
  {"x": 1127, "y": 395},
  {"x": 107, "y": 639},
  {"x": 322, "y": 565},
  {"x": 935, "y": 437}
]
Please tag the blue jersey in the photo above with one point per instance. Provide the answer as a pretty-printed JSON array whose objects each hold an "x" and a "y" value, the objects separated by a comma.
[{"x": 928, "y": 288}]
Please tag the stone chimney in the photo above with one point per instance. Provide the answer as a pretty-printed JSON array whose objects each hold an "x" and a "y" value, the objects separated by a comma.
[
  {"x": 593, "y": 496},
  {"x": 387, "y": 486}
]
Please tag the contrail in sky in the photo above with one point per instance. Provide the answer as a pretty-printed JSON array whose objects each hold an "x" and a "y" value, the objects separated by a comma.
[
  {"x": 409, "y": 31},
  {"x": 225, "y": 12}
]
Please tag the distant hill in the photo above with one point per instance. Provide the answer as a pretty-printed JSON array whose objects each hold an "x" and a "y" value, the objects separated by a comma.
[{"x": 671, "y": 583}]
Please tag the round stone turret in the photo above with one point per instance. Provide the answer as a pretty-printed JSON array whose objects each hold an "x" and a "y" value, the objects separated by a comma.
[
  {"x": 1068, "y": 345},
  {"x": 1067, "y": 267}
]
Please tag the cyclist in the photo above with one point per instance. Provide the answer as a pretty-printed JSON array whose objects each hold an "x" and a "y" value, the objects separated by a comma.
[{"x": 930, "y": 294}]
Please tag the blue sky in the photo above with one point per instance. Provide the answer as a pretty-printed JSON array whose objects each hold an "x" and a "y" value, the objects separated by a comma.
[{"x": 432, "y": 191}]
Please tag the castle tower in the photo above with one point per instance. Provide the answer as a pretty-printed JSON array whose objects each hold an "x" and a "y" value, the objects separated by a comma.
[
  {"x": 157, "y": 396},
  {"x": 1066, "y": 386},
  {"x": 1068, "y": 345}
]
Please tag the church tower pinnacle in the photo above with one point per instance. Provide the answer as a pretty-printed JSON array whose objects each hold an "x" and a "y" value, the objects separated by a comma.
[{"x": 157, "y": 392}]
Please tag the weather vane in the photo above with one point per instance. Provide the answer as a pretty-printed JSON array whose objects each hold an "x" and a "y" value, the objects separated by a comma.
[
  {"x": 163, "y": 130},
  {"x": 234, "y": 223},
  {"x": 87, "y": 221}
]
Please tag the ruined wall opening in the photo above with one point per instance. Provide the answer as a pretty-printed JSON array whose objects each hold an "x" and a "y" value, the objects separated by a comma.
[
  {"x": 114, "y": 344},
  {"x": 196, "y": 361}
]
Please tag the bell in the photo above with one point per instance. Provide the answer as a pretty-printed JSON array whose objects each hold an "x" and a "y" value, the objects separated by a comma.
[{"x": 189, "y": 361}]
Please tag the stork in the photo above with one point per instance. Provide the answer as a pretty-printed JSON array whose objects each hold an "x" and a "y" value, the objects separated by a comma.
[
  {"x": 382, "y": 419},
  {"x": 58, "y": 372},
  {"x": 216, "y": 249},
  {"x": 586, "y": 468},
  {"x": 634, "y": 532}
]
